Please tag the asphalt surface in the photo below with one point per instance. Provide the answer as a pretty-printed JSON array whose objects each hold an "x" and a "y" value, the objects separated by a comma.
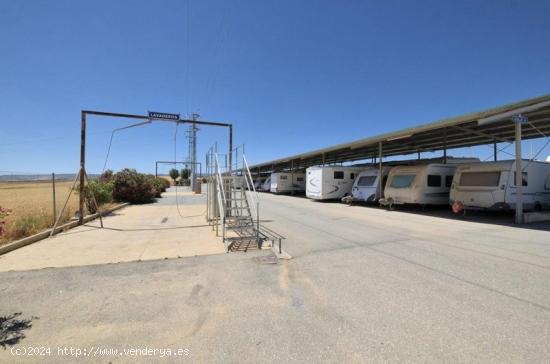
[{"x": 365, "y": 285}]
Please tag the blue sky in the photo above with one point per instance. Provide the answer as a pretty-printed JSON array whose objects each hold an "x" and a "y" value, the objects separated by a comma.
[{"x": 291, "y": 76}]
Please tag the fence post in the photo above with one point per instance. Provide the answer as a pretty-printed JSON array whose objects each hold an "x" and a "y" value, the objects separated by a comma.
[{"x": 53, "y": 193}]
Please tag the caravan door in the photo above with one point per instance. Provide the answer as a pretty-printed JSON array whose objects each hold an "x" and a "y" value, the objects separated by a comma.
[{"x": 314, "y": 183}]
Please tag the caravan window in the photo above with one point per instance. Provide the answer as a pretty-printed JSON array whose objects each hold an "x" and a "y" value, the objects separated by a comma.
[
  {"x": 338, "y": 175},
  {"x": 352, "y": 175},
  {"x": 448, "y": 181},
  {"x": 523, "y": 178},
  {"x": 283, "y": 177},
  {"x": 300, "y": 179},
  {"x": 402, "y": 180},
  {"x": 547, "y": 184},
  {"x": 434, "y": 180},
  {"x": 366, "y": 181},
  {"x": 480, "y": 179}
]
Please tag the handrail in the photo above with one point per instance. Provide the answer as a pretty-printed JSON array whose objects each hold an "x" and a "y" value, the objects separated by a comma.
[
  {"x": 219, "y": 176},
  {"x": 265, "y": 229},
  {"x": 221, "y": 190},
  {"x": 248, "y": 173},
  {"x": 254, "y": 194}
]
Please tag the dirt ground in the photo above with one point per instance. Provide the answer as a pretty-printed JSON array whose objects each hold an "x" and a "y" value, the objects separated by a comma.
[{"x": 35, "y": 200}]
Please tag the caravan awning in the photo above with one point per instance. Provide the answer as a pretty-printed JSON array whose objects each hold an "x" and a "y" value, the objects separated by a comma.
[{"x": 484, "y": 127}]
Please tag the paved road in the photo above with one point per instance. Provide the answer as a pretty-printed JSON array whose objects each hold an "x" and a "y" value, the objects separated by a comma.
[
  {"x": 426, "y": 288},
  {"x": 366, "y": 285}
]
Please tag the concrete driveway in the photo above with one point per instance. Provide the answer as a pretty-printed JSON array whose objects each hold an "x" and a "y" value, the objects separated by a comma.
[
  {"x": 138, "y": 232},
  {"x": 366, "y": 285}
]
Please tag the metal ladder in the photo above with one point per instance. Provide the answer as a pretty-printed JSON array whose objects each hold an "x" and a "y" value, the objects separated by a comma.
[{"x": 233, "y": 205}]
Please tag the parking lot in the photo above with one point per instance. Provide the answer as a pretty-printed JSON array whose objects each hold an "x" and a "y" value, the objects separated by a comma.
[{"x": 365, "y": 284}]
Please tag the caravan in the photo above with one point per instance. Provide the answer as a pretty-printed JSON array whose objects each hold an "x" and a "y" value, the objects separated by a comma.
[
  {"x": 266, "y": 185},
  {"x": 330, "y": 182},
  {"x": 491, "y": 186},
  {"x": 258, "y": 182},
  {"x": 366, "y": 187},
  {"x": 288, "y": 182},
  {"x": 427, "y": 184}
]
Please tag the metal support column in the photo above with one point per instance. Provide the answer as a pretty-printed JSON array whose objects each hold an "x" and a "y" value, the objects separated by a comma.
[
  {"x": 445, "y": 146},
  {"x": 518, "y": 120},
  {"x": 82, "y": 167},
  {"x": 380, "y": 167},
  {"x": 495, "y": 151},
  {"x": 230, "y": 147},
  {"x": 193, "y": 150},
  {"x": 54, "y": 199}
]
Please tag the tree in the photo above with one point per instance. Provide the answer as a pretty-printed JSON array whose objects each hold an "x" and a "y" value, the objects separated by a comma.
[
  {"x": 106, "y": 176},
  {"x": 174, "y": 174},
  {"x": 185, "y": 173}
]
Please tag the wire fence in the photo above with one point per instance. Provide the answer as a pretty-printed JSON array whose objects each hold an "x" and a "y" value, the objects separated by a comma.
[{"x": 34, "y": 202}]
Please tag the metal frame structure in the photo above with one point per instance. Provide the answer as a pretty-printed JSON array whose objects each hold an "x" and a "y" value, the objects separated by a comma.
[
  {"x": 485, "y": 127},
  {"x": 233, "y": 204},
  {"x": 152, "y": 116}
]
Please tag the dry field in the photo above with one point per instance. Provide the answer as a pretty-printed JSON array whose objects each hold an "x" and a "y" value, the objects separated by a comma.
[{"x": 32, "y": 206}]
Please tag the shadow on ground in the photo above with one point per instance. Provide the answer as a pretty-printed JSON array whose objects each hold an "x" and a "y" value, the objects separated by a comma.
[
  {"x": 12, "y": 327},
  {"x": 499, "y": 218}
]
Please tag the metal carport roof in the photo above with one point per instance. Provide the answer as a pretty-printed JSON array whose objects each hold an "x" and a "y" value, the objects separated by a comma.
[{"x": 462, "y": 131}]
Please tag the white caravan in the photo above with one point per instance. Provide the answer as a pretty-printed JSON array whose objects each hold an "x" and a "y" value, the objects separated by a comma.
[
  {"x": 330, "y": 182},
  {"x": 287, "y": 182},
  {"x": 366, "y": 187},
  {"x": 492, "y": 185},
  {"x": 258, "y": 183},
  {"x": 266, "y": 185},
  {"x": 427, "y": 184}
]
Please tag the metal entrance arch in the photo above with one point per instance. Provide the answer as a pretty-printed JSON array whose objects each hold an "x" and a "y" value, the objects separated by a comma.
[{"x": 152, "y": 116}]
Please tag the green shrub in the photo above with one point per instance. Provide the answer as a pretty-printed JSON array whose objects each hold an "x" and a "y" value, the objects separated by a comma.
[
  {"x": 131, "y": 186},
  {"x": 163, "y": 183},
  {"x": 106, "y": 176},
  {"x": 28, "y": 225},
  {"x": 159, "y": 184},
  {"x": 103, "y": 193}
]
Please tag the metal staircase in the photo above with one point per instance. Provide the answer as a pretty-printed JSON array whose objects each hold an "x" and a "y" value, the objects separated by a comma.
[{"x": 233, "y": 205}]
